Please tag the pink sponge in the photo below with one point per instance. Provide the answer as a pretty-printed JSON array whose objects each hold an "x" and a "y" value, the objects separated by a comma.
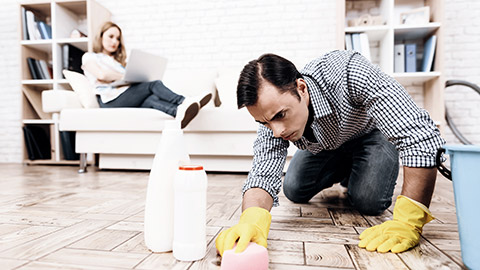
[{"x": 254, "y": 257}]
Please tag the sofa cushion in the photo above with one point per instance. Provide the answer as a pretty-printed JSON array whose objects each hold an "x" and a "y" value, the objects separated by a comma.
[
  {"x": 226, "y": 84},
  {"x": 113, "y": 119},
  {"x": 221, "y": 119},
  {"x": 191, "y": 82},
  {"x": 145, "y": 119}
]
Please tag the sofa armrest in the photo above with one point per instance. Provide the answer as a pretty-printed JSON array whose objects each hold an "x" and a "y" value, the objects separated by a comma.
[{"x": 57, "y": 100}]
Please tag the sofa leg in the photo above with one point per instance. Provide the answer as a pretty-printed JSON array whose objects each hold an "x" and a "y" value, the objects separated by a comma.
[{"x": 83, "y": 163}]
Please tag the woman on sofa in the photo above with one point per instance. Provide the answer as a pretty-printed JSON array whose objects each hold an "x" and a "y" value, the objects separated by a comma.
[{"x": 107, "y": 64}]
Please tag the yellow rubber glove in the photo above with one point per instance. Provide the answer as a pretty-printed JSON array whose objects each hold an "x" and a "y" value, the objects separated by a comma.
[
  {"x": 401, "y": 233},
  {"x": 253, "y": 226}
]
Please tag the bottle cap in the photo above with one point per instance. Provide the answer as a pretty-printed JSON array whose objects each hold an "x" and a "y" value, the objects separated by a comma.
[
  {"x": 172, "y": 124},
  {"x": 191, "y": 168}
]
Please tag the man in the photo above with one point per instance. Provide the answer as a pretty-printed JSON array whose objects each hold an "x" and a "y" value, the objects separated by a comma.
[{"x": 343, "y": 113}]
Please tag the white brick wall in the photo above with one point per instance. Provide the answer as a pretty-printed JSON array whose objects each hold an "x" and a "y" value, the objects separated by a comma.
[
  {"x": 214, "y": 33},
  {"x": 462, "y": 62},
  {"x": 224, "y": 33},
  {"x": 11, "y": 137}
]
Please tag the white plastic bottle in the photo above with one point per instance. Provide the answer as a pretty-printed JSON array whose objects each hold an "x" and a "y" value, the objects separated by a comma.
[
  {"x": 190, "y": 217},
  {"x": 158, "y": 224}
]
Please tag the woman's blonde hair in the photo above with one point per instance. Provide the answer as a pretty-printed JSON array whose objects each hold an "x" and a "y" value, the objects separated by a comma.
[{"x": 120, "y": 54}]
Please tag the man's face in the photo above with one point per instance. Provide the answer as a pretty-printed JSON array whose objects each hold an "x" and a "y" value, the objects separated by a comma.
[{"x": 283, "y": 113}]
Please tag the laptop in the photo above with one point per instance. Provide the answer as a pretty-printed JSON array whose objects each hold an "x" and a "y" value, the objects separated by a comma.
[{"x": 142, "y": 67}]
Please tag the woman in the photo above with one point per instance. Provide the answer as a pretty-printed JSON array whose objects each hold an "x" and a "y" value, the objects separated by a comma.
[{"x": 107, "y": 64}]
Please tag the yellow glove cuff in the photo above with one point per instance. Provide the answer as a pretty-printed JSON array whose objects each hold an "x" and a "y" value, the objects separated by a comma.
[
  {"x": 258, "y": 216},
  {"x": 412, "y": 212}
]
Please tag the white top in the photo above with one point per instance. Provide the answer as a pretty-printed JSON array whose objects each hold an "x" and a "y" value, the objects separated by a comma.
[{"x": 106, "y": 91}]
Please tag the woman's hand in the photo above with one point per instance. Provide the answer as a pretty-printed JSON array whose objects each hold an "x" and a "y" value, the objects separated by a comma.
[{"x": 104, "y": 81}]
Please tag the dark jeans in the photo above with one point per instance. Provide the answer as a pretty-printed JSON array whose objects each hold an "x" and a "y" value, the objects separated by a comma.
[
  {"x": 152, "y": 94},
  {"x": 367, "y": 165}
]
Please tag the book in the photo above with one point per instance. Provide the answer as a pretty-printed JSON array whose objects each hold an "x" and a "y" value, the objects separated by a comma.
[
  {"x": 39, "y": 70},
  {"x": 429, "y": 53},
  {"x": 37, "y": 142},
  {"x": 356, "y": 42},
  {"x": 24, "y": 24},
  {"x": 67, "y": 139},
  {"x": 44, "y": 69},
  {"x": 72, "y": 58},
  {"x": 32, "y": 66},
  {"x": 49, "y": 30},
  {"x": 348, "y": 42},
  {"x": 43, "y": 34},
  {"x": 410, "y": 57},
  {"x": 32, "y": 148},
  {"x": 33, "y": 33},
  {"x": 45, "y": 30},
  {"x": 399, "y": 58},
  {"x": 365, "y": 46}
]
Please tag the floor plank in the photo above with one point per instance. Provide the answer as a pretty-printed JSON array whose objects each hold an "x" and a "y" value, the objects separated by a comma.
[
  {"x": 46, "y": 244},
  {"x": 11, "y": 263},
  {"x": 104, "y": 240},
  {"x": 162, "y": 261},
  {"x": 95, "y": 258},
  {"x": 364, "y": 259},
  {"x": 427, "y": 256},
  {"x": 327, "y": 255}
]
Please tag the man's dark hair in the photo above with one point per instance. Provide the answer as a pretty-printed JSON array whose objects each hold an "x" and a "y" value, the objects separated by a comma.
[{"x": 272, "y": 68}]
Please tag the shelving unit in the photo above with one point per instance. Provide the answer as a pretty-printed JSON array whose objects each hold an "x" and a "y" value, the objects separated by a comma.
[
  {"x": 383, "y": 38},
  {"x": 63, "y": 16}
]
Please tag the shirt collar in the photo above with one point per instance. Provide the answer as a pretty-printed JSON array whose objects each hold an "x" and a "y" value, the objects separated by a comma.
[{"x": 320, "y": 104}]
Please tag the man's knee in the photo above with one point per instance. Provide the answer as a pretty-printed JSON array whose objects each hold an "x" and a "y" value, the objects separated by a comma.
[
  {"x": 293, "y": 191},
  {"x": 370, "y": 205}
]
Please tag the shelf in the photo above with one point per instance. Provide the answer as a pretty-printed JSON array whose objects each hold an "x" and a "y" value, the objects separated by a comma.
[
  {"x": 405, "y": 32},
  {"x": 51, "y": 162},
  {"x": 38, "y": 121},
  {"x": 43, "y": 82},
  {"x": 44, "y": 7},
  {"x": 63, "y": 81},
  {"x": 73, "y": 40},
  {"x": 76, "y": 6},
  {"x": 44, "y": 45},
  {"x": 415, "y": 77},
  {"x": 374, "y": 32},
  {"x": 47, "y": 83},
  {"x": 63, "y": 16}
]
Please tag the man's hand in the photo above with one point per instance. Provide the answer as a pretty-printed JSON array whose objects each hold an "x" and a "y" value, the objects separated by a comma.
[
  {"x": 253, "y": 226},
  {"x": 401, "y": 233}
]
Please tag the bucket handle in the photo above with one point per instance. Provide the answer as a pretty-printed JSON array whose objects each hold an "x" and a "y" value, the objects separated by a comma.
[{"x": 442, "y": 169}]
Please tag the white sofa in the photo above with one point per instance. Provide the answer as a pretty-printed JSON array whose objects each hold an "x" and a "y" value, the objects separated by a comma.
[{"x": 219, "y": 138}]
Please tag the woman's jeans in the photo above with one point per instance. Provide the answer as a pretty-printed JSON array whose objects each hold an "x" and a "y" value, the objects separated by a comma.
[
  {"x": 152, "y": 94},
  {"x": 368, "y": 166}
]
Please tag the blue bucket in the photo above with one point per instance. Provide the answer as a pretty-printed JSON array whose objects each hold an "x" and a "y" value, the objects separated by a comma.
[{"x": 465, "y": 164}]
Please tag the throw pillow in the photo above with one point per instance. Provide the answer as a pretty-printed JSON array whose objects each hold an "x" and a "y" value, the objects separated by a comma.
[{"x": 82, "y": 88}]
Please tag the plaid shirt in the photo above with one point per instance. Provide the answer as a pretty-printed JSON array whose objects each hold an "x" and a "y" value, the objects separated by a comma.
[{"x": 350, "y": 98}]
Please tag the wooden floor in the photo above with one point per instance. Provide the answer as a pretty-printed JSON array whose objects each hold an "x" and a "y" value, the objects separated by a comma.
[{"x": 53, "y": 218}]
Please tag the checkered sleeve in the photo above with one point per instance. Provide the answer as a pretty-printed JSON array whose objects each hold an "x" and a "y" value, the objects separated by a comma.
[
  {"x": 268, "y": 162},
  {"x": 397, "y": 116}
]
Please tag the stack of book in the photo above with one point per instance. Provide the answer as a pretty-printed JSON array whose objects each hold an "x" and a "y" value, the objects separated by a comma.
[
  {"x": 405, "y": 58},
  {"x": 39, "y": 69},
  {"x": 358, "y": 42},
  {"x": 37, "y": 142},
  {"x": 34, "y": 28}
]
